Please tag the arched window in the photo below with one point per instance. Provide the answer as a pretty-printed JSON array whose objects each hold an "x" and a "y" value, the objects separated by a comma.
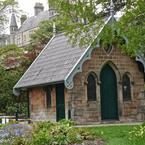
[
  {"x": 48, "y": 96},
  {"x": 126, "y": 86},
  {"x": 106, "y": 46},
  {"x": 91, "y": 88}
]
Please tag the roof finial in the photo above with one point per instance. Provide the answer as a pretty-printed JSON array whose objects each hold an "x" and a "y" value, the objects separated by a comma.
[
  {"x": 112, "y": 8},
  {"x": 54, "y": 29}
]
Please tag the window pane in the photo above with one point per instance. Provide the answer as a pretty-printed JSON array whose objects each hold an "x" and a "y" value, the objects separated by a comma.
[
  {"x": 126, "y": 88},
  {"x": 91, "y": 88},
  {"x": 48, "y": 96}
]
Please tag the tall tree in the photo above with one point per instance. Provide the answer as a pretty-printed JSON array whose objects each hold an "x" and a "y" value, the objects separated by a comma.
[
  {"x": 8, "y": 79},
  {"x": 13, "y": 63},
  {"x": 45, "y": 31},
  {"x": 83, "y": 19},
  {"x": 132, "y": 26},
  {"x": 43, "y": 34},
  {"x": 4, "y": 10}
]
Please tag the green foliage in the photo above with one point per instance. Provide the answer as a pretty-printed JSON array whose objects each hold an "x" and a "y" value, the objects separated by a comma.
[
  {"x": 11, "y": 51},
  {"x": 13, "y": 64},
  {"x": 8, "y": 79},
  {"x": 132, "y": 26},
  {"x": 1, "y": 126},
  {"x": 20, "y": 141},
  {"x": 44, "y": 33},
  {"x": 52, "y": 133},
  {"x": 73, "y": 17},
  {"x": 83, "y": 22},
  {"x": 61, "y": 133}
]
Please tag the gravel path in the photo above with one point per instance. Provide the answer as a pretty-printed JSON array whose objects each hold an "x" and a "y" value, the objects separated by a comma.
[{"x": 95, "y": 142}]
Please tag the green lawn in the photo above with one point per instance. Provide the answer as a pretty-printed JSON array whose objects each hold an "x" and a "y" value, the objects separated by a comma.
[{"x": 116, "y": 135}]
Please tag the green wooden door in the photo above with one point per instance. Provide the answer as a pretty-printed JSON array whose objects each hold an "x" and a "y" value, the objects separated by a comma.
[
  {"x": 109, "y": 105},
  {"x": 60, "y": 102}
]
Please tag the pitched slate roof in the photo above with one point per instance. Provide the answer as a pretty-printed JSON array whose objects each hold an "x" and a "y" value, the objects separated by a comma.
[
  {"x": 57, "y": 62},
  {"x": 53, "y": 63},
  {"x": 34, "y": 21}
]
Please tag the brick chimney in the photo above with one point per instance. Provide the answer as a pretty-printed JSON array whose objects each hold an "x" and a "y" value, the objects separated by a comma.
[{"x": 38, "y": 8}]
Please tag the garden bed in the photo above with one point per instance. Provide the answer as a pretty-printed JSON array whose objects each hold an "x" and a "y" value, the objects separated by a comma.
[{"x": 64, "y": 133}]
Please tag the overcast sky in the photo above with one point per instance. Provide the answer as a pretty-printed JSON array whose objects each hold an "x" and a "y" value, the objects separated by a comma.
[{"x": 28, "y": 5}]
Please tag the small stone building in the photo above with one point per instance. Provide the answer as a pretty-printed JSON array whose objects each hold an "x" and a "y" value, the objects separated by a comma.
[{"x": 88, "y": 85}]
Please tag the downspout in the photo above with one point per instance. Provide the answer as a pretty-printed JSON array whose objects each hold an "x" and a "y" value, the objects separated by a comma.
[
  {"x": 54, "y": 29},
  {"x": 28, "y": 108}
]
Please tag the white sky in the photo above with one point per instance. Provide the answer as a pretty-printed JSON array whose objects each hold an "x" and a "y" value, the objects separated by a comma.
[{"x": 28, "y": 5}]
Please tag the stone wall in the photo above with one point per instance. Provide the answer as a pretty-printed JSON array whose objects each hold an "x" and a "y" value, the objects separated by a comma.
[
  {"x": 38, "y": 106},
  {"x": 86, "y": 112},
  {"x": 23, "y": 38}
]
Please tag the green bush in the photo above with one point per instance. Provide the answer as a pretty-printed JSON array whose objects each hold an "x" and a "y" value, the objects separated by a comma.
[
  {"x": 61, "y": 133},
  {"x": 20, "y": 141},
  {"x": 44, "y": 133}
]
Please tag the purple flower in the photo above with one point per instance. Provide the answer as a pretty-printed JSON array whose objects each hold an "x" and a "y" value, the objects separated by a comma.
[
  {"x": 16, "y": 130},
  {"x": 3, "y": 134}
]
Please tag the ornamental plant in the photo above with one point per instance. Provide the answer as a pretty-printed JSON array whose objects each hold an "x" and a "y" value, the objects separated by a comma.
[
  {"x": 15, "y": 134},
  {"x": 55, "y": 133},
  {"x": 60, "y": 133}
]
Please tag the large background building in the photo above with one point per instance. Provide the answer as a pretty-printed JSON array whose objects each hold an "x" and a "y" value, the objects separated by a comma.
[
  {"x": 21, "y": 36},
  {"x": 4, "y": 40}
]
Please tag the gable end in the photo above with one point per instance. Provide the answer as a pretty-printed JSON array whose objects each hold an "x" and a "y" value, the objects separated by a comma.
[{"x": 86, "y": 56}]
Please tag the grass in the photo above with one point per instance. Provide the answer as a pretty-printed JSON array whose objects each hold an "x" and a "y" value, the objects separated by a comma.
[{"x": 115, "y": 135}]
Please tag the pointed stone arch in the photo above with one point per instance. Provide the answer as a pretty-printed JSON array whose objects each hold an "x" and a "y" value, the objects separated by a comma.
[{"x": 108, "y": 93}]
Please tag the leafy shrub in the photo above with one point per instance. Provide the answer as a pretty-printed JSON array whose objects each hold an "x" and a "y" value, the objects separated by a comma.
[
  {"x": 51, "y": 133},
  {"x": 61, "y": 133},
  {"x": 43, "y": 133},
  {"x": 1, "y": 126},
  {"x": 42, "y": 126}
]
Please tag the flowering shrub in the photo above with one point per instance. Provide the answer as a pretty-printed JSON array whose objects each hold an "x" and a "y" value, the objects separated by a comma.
[
  {"x": 9, "y": 134},
  {"x": 43, "y": 133}
]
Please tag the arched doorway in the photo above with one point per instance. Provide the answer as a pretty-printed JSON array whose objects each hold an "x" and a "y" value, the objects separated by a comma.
[{"x": 109, "y": 99}]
